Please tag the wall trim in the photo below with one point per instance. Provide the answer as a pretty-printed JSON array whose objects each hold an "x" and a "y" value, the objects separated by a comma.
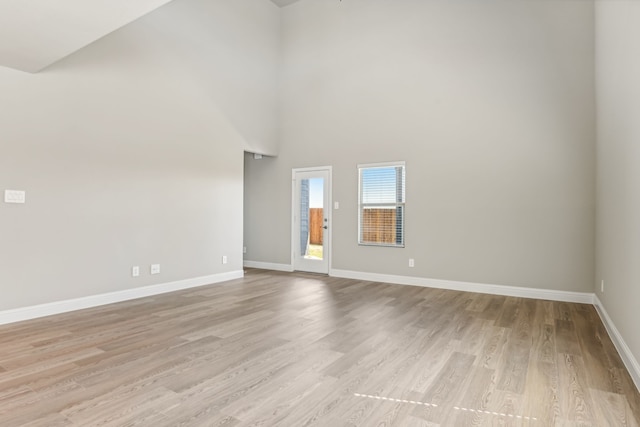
[
  {"x": 58, "y": 307},
  {"x": 512, "y": 291},
  {"x": 65, "y": 306},
  {"x": 629, "y": 360},
  {"x": 268, "y": 266}
]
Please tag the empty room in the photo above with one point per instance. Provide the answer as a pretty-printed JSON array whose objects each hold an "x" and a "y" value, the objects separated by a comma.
[{"x": 319, "y": 213}]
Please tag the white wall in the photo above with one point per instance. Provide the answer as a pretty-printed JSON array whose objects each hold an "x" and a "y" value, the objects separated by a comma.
[
  {"x": 618, "y": 238},
  {"x": 131, "y": 152},
  {"x": 490, "y": 103},
  {"x": 36, "y": 33}
]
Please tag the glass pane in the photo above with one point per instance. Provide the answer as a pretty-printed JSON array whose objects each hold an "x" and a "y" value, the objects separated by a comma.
[
  {"x": 382, "y": 185},
  {"x": 381, "y": 225},
  {"x": 382, "y": 198},
  {"x": 312, "y": 218}
]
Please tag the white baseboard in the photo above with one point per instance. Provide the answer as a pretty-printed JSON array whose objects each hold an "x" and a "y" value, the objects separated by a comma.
[
  {"x": 268, "y": 266},
  {"x": 512, "y": 291},
  {"x": 623, "y": 349},
  {"x": 627, "y": 356},
  {"x": 35, "y": 311}
]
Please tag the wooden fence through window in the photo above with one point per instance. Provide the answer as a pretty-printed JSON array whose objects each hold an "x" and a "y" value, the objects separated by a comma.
[
  {"x": 378, "y": 226},
  {"x": 316, "y": 219}
]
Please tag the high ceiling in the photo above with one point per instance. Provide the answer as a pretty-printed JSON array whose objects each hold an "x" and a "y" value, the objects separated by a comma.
[
  {"x": 283, "y": 3},
  {"x": 36, "y": 33}
]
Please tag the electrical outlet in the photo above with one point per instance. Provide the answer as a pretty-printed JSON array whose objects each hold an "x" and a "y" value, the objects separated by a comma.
[
  {"x": 412, "y": 262},
  {"x": 135, "y": 271},
  {"x": 602, "y": 286},
  {"x": 244, "y": 249},
  {"x": 224, "y": 259},
  {"x": 155, "y": 268}
]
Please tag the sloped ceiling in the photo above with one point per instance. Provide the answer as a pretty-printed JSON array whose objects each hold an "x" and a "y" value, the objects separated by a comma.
[
  {"x": 283, "y": 3},
  {"x": 36, "y": 33}
]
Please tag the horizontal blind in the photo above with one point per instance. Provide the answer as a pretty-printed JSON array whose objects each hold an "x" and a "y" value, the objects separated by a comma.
[{"x": 381, "y": 204}]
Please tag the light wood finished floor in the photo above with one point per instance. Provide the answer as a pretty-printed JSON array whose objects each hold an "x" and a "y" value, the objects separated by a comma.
[{"x": 278, "y": 349}]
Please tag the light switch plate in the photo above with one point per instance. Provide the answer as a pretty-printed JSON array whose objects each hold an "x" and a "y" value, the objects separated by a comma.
[{"x": 14, "y": 196}]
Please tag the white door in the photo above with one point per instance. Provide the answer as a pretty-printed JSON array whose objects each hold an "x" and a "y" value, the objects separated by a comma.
[{"x": 311, "y": 219}]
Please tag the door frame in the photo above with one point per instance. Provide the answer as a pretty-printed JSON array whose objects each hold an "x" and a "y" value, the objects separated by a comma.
[{"x": 328, "y": 187}]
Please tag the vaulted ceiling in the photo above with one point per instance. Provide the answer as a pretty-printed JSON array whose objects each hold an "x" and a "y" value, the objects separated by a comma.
[
  {"x": 283, "y": 3},
  {"x": 36, "y": 33}
]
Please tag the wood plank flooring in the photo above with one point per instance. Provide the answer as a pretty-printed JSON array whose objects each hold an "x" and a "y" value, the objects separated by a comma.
[{"x": 279, "y": 349}]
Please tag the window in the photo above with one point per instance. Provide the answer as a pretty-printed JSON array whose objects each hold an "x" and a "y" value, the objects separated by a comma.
[{"x": 381, "y": 204}]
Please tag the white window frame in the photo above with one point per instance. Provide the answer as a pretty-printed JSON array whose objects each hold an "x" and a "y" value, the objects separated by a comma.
[{"x": 362, "y": 205}]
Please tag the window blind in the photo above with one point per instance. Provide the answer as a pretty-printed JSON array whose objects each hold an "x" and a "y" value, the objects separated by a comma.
[{"x": 381, "y": 204}]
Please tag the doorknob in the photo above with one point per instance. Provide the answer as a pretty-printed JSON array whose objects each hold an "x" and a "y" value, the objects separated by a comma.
[{"x": 325, "y": 227}]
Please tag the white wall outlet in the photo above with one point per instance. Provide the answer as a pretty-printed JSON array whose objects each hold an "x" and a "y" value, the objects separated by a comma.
[
  {"x": 135, "y": 271},
  {"x": 224, "y": 259},
  {"x": 412, "y": 262},
  {"x": 602, "y": 286},
  {"x": 155, "y": 268},
  {"x": 14, "y": 196},
  {"x": 336, "y": 205},
  {"x": 244, "y": 249}
]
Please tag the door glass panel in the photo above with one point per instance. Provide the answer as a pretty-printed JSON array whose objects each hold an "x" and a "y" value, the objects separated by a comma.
[{"x": 312, "y": 218}]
